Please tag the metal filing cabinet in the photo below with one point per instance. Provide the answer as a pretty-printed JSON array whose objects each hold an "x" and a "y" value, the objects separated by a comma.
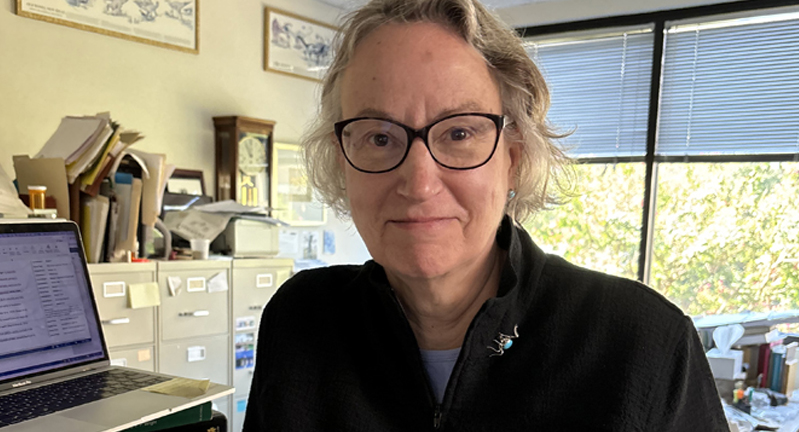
[
  {"x": 129, "y": 333},
  {"x": 194, "y": 321},
  {"x": 254, "y": 283}
]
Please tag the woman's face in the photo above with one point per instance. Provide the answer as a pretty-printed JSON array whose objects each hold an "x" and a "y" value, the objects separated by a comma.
[{"x": 422, "y": 220}]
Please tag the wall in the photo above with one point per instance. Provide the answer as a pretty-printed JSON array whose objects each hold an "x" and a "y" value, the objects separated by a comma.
[
  {"x": 549, "y": 12},
  {"x": 48, "y": 71}
]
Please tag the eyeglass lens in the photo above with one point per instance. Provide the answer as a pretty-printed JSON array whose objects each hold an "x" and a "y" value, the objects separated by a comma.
[{"x": 456, "y": 142}]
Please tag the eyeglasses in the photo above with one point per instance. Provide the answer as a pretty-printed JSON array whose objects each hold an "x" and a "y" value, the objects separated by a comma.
[{"x": 461, "y": 141}]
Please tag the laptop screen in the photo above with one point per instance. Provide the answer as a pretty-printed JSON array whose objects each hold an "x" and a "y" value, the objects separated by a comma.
[{"x": 47, "y": 316}]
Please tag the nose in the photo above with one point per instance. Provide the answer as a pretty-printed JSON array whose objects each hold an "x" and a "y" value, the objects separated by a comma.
[{"x": 419, "y": 174}]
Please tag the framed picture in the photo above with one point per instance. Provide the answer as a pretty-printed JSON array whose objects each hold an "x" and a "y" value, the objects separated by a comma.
[
  {"x": 292, "y": 196},
  {"x": 297, "y": 46},
  {"x": 168, "y": 24},
  {"x": 186, "y": 182}
]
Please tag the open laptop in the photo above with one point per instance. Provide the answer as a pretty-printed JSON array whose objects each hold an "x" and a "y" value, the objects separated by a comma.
[{"x": 52, "y": 345}]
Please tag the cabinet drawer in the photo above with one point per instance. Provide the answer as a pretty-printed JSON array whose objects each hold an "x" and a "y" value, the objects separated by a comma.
[
  {"x": 122, "y": 325},
  {"x": 204, "y": 358},
  {"x": 193, "y": 311},
  {"x": 138, "y": 358},
  {"x": 254, "y": 286}
]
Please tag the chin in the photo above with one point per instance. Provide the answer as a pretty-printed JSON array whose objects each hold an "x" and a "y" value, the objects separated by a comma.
[{"x": 423, "y": 262}]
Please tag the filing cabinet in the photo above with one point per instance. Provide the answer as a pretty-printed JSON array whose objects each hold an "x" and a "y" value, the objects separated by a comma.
[
  {"x": 254, "y": 282},
  {"x": 128, "y": 332},
  {"x": 205, "y": 327}
]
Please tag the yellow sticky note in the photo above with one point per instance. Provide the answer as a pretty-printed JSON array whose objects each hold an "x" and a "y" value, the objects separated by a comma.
[
  {"x": 184, "y": 387},
  {"x": 143, "y": 295},
  {"x": 144, "y": 355}
]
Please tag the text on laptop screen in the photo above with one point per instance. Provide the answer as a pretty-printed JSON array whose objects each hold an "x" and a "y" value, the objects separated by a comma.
[{"x": 47, "y": 318}]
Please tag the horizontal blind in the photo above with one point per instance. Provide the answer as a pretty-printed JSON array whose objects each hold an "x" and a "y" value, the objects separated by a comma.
[
  {"x": 600, "y": 89},
  {"x": 730, "y": 88}
]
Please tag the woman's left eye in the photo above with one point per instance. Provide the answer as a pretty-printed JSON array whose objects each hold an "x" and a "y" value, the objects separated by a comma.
[{"x": 458, "y": 134}]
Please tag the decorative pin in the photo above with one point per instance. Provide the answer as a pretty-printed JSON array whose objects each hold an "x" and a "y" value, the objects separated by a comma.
[{"x": 504, "y": 342}]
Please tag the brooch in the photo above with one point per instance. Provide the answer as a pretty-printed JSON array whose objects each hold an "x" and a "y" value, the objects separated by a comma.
[{"x": 504, "y": 342}]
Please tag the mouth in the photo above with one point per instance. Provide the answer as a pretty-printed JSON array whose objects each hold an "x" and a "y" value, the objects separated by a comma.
[{"x": 421, "y": 222}]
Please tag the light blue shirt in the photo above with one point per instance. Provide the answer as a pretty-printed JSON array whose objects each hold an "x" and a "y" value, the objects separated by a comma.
[{"x": 439, "y": 364}]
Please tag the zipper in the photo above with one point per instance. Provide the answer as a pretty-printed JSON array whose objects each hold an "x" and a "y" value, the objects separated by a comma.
[{"x": 437, "y": 417}]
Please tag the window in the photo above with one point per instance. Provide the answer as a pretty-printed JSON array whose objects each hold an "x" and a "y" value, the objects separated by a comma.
[{"x": 700, "y": 196}]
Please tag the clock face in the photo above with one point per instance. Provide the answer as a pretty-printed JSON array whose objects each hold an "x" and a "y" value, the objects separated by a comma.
[{"x": 252, "y": 155}]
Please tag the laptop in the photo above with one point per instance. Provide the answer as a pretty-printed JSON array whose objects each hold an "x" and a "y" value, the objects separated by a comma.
[{"x": 55, "y": 373}]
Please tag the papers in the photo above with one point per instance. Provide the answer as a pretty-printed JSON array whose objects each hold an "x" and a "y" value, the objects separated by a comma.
[
  {"x": 143, "y": 295},
  {"x": 218, "y": 283},
  {"x": 153, "y": 186},
  {"x": 174, "y": 283},
  {"x": 194, "y": 224},
  {"x": 48, "y": 172},
  {"x": 10, "y": 203},
  {"x": 91, "y": 153},
  {"x": 73, "y": 136},
  {"x": 183, "y": 387},
  {"x": 229, "y": 206}
]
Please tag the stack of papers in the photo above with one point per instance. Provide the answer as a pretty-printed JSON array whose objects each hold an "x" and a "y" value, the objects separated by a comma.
[{"x": 10, "y": 204}]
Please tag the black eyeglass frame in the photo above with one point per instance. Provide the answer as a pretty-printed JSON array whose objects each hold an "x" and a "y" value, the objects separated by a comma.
[{"x": 498, "y": 119}]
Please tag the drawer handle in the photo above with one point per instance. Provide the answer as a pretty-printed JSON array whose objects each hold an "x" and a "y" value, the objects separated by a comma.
[
  {"x": 116, "y": 321},
  {"x": 256, "y": 307},
  {"x": 199, "y": 313}
]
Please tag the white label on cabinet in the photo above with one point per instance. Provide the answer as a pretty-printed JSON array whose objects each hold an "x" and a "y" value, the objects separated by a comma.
[
  {"x": 264, "y": 280},
  {"x": 114, "y": 289},
  {"x": 119, "y": 362},
  {"x": 195, "y": 284},
  {"x": 196, "y": 353}
]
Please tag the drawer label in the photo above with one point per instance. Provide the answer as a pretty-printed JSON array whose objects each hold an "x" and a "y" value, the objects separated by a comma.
[
  {"x": 195, "y": 284},
  {"x": 264, "y": 280},
  {"x": 114, "y": 289},
  {"x": 195, "y": 353}
]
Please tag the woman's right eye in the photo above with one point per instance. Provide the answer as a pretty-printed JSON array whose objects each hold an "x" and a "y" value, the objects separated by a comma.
[{"x": 380, "y": 140}]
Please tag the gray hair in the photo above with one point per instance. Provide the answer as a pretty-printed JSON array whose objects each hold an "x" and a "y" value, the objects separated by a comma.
[{"x": 523, "y": 90}]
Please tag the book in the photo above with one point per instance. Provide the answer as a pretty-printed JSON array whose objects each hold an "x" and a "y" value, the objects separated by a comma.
[
  {"x": 764, "y": 364},
  {"x": 93, "y": 219},
  {"x": 188, "y": 416}
]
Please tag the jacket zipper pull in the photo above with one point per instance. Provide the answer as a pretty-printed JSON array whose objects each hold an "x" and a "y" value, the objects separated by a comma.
[{"x": 437, "y": 417}]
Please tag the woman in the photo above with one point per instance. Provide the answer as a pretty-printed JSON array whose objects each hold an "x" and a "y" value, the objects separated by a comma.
[{"x": 433, "y": 137}]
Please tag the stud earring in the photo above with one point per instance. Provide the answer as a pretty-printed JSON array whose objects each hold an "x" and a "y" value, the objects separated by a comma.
[{"x": 511, "y": 194}]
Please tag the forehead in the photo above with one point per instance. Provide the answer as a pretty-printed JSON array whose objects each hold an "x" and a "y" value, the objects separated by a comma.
[{"x": 415, "y": 73}]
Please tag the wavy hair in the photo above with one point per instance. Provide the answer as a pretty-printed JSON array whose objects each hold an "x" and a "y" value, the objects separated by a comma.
[{"x": 523, "y": 90}]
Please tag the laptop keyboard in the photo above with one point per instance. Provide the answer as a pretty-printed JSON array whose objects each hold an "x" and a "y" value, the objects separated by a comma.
[{"x": 48, "y": 399}]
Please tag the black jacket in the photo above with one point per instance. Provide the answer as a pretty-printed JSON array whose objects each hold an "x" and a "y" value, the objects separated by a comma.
[{"x": 594, "y": 353}]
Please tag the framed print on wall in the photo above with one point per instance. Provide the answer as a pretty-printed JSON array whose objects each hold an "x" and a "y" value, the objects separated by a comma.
[
  {"x": 297, "y": 46},
  {"x": 293, "y": 199},
  {"x": 167, "y": 24}
]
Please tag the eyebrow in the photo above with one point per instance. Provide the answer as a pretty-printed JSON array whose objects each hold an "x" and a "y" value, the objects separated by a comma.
[{"x": 466, "y": 107}]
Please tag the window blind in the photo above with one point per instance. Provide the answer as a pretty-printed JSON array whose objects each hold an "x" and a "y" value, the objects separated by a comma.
[
  {"x": 730, "y": 87},
  {"x": 600, "y": 89}
]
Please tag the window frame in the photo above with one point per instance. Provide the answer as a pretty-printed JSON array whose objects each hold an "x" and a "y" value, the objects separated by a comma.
[{"x": 658, "y": 21}]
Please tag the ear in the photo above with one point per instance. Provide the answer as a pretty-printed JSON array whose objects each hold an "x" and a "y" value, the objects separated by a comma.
[{"x": 514, "y": 145}]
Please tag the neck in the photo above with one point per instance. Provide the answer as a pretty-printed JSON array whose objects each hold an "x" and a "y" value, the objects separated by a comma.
[{"x": 441, "y": 309}]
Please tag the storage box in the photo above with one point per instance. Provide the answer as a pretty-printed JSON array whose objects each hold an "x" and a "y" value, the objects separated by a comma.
[
  {"x": 244, "y": 238},
  {"x": 726, "y": 366}
]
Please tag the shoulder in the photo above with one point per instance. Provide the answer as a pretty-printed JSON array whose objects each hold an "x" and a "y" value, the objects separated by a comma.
[
  {"x": 318, "y": 286},
  {"x": 604, "y": 298}
]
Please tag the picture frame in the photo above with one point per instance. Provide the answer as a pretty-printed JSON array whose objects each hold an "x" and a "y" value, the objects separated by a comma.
[
  {"x": 173, "y": 25},
  {"x": 297, "y": 46},
  {"x": 186, "y": 182},
  {"x": 293, "y": 199}
]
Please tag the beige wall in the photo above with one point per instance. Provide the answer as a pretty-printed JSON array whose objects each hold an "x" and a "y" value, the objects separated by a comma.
[
  {"x": 48, "y": 71},
  {"x": 549, "y": 12}
]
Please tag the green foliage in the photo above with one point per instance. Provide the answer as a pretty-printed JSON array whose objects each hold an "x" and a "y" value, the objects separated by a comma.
[{"x": 726, "y": 235}]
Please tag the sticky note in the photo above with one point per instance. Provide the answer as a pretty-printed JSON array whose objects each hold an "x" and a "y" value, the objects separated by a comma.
[
  {"x": 184, "y": 387},
  {"x": 143, "y": 295},
  {"x": 119, "y": 362},
  {"x": 144, "y": 355},
  {"x": 174, "y": 283},
  {"x": 218, "y": 283}
]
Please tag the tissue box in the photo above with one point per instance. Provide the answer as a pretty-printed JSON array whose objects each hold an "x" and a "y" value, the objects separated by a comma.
[{"x": 727, "y": 365}]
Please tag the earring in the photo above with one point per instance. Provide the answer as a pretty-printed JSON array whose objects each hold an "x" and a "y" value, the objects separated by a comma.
[{"x": 511, "y": 194}]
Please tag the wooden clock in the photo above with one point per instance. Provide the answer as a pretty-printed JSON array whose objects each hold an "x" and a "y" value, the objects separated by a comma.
[{"x": 243, "y": 153}]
